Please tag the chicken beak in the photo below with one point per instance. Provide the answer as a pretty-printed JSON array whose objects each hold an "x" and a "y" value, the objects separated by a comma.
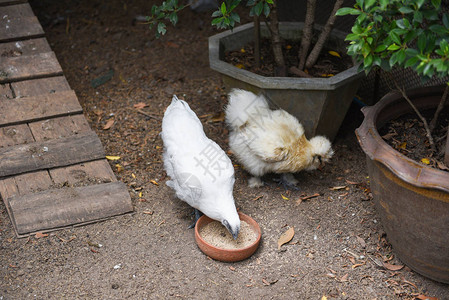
[{"x": 235, "y": 233}]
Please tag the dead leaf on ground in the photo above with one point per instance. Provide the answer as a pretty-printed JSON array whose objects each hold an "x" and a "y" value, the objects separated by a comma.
[
  {"x": 108, "y": 124},
  {"x": 337, "y": 188},
  {"x": 140, "y": 105},
  {"x": 112, "y": 157},
  {"x": 39, "y": 235},
  {"x": 361, "y": 242},
  {"x": 307, "y": 198},
  {"x": 231, "y": 268},
  {"x": 217, "y": 117},
  {"x": 442, "y": 166},
  {"x": 392, "y": 267},
  {"x": 154, "y": 182},
  {"x": 344, "y": 278},
  {"x": 286, "y": 237}
]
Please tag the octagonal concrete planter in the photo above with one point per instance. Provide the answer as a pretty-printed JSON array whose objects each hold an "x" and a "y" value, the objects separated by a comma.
[
  {"x": 320, "y": 104},
  {"x": 411, "y": 199}
]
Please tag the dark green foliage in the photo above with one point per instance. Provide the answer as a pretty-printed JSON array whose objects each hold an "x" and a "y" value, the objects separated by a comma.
[{"x": 403, "y": 33}]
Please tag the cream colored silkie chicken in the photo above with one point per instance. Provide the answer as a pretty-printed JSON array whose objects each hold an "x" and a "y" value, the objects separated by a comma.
[{"x": 271, "y": 141}]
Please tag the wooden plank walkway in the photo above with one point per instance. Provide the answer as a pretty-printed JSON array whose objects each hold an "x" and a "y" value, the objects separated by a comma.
[{"x": 53, "y": 171}]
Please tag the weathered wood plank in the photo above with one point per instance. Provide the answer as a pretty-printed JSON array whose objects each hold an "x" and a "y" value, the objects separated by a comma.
[
  {"x": 25, "y": 184},
  {"x": 11, "y": 2},
  {"x": 5, "y": 91},
  {"x": 15, "y": 135},
  {"x": 61, "y": 152},
  {"x": 27, "y": 47},
  {"x": 20, "y": 28},
  {"x": 58, "y": 208},
  {"x": 18, "y": 10},
  {"x": 58, "y": 127},
  {"x": 27, "y": 109},
  {"x": 97, "y": 171},
  {"x": 40, "y": 86},
  {"x": 26, "y": 67}
]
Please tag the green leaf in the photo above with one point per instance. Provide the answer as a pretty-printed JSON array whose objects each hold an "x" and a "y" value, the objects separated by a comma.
[
  {"x": 348, "y": 11},
  {"x": 446, "y": 20},
  {"x": 223, "y": 9},
  {"x": 438, "y": 29},
  {"x": 411, "y": 62},
  {"x": 369, "y": 3},
  {"x": 381, "y": 48},
  {"x": 406, "y": 10},
  {"x": 436, "y": 4},
  {"x": 393, "y": 47},
  {"x": 161, "y": 28},
  {"x": 216, "y": 13},
  {"x": 258, "y": 8},
  {"x": 266, "y": 10}
]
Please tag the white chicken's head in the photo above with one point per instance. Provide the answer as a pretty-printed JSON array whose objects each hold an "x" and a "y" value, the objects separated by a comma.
[{"x": 321, "y": 151}]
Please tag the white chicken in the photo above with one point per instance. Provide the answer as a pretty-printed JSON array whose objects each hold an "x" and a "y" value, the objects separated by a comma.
[
  {"x": 200, "y": 171},
  {"x": 271, "y": 141}
]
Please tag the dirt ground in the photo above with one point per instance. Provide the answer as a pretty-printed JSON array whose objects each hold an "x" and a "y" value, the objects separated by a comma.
[{"x": 151, "y": 254}]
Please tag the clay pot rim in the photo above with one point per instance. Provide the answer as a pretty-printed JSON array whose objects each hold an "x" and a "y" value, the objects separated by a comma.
[
  {"x": 378, "y": 150},
  {"x": 245, "y": 218}
]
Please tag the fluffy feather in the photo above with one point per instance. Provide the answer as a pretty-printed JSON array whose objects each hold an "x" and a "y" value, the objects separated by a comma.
[
  {"x": 201, "y": 173},
  {"x": 270, "y": 141}
]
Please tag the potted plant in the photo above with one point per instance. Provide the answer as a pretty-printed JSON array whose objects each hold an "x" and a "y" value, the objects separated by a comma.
[
  {"x": 319, "y": 103},
  {"x": 411, "y": 197}
]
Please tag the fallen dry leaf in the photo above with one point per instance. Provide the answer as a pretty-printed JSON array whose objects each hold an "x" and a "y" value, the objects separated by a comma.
[
  {"x": 154, "y": 182},
  {"x": 112, "y": 157},
  {"x": 286, "y": 237},
  {"x": 119, "y": 168},
  {"x": 283, "y": 197},
  {"x": 306, "y": 198},
  {"x": 217, "y": 117},
  {"x": 392, "y": 267},
  {"x": 324, "y": 298},
  {"x": 336, "y": 188},
  {"x": 425, "y": 161},
  {"x": 140, "y": 105},
  {"x": 39, "y": 235},
  {"x": 344, "y": 278},
  {"x": 442, "y": 166},
  {"x": 361, "y": 241},
  {"x": 232, "y": 268},
  {"x": 108, "y": 124},
  {"x": 334, "y": 53}
]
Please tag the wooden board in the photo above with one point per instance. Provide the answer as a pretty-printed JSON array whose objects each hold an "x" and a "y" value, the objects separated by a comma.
[
  {"x": 5, "y": 91},
  {"x": 50, "y": 154},
  {"x": 16, "y": 29},
  {"x": 27, "y": 109},
  {"x": 10, "y": 2},
  {"x": 58, "y": 127},
  {"x": 40, "y": 86},
  {"x": 52, "y": 209},
  {"x": 15, "y": 135},
  {"x": 17, "y": 22},
  {"x": 29, "y": 67},
  {"x": 27, "y": 47},
  {"x": 92, "y": 172}
]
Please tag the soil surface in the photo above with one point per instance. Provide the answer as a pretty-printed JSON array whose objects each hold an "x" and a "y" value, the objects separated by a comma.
[
  {"x": 408, "y": 136},
  {"x": 338, "y": 250},
  {"x": 329, "y": 63}
]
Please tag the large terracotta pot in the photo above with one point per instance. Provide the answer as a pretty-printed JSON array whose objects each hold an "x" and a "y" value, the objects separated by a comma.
[{"x": 411, "y": 199}]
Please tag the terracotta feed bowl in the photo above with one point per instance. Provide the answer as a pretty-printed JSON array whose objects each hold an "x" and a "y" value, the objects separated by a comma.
[{"x": 227, "y": 255}]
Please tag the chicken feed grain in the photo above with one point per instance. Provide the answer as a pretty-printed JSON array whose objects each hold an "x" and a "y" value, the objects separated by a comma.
[{"x": 215, "y": 234}]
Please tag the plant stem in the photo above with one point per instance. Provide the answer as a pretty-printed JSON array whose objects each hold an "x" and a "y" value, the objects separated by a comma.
[
  {"x": 446, "y": 151},
  {"x": 281, "y": 69},
  {"x": 433, "y": 123},
  {"x": 307, "y": 32},
  {"x": 257, "y": 41},
  {"x": 426, "y": 126},
  {"x": 313, "y": 56}
]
